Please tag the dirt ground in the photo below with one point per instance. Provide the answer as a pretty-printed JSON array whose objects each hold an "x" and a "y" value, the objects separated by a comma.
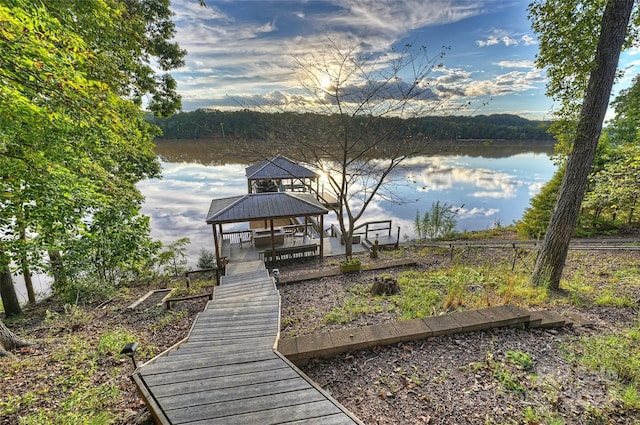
[{"x": 458, "y": 379}]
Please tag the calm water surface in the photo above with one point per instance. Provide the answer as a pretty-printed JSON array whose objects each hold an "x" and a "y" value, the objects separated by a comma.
[
  {"x": 487, "y": 190},
  {"x": 489, "y": 187}
]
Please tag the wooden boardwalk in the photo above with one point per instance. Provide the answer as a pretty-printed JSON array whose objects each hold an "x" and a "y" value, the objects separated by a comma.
[{"x": 227, "y": 371}]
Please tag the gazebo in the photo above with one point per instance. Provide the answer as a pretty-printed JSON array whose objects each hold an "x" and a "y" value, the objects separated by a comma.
[
  {"x": 267, "y": 207},
  {"x": 280, "y": 174}
]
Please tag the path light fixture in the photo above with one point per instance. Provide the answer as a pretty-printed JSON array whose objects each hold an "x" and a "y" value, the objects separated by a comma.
[
  {"x": 129, "y": 350},
  {"x": 276, "y": 275}
]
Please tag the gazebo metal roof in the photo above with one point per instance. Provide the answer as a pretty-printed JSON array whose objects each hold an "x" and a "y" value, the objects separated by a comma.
[
  {"x": 260, "y": 206},
  {"x": 279, "y": 167}
]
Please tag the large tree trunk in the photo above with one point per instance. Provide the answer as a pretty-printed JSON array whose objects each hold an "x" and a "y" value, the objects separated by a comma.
[
  {"x": 10, "y": 341},
  {"x": 8, "y": 294},
  {"x": 553, "y": 252},
  {"x": 26, "y": 272}
]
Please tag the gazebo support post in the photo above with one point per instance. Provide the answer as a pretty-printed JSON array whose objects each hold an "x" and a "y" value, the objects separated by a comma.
[
  {"x": 273, "y": 241},
  {"x": 218, "y": 259},
  {"x": 321, "y": 237}
]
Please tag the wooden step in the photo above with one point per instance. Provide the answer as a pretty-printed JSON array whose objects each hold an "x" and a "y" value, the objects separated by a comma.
[{"x": 546, "y": 319}]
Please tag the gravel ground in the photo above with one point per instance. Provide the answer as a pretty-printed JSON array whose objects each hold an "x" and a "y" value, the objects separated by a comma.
[{"x": 466, "y": 378}]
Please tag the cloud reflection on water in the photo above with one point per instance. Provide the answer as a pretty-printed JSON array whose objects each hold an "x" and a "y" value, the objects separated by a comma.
[{"x": 492, "y": 190}]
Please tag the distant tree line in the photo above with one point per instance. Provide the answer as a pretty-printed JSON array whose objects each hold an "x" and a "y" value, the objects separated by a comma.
[{"x": 247, "y": 124}]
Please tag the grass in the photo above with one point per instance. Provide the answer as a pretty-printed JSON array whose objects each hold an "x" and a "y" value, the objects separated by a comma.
[
  {"x": 423, "y": 294},
  {"x": 520, "y": 359},
  {"x": 78, "y": 395},
  {"x": 83, "y": 372},
  {"x": 615, "y": 356},
  {"x": 356, "y": 303}
]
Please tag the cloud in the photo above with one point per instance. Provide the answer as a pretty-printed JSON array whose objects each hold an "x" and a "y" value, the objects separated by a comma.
[
  {"x": 457, "y": 83},
  {"x": 498, "y": 36},
  {"x": 239, "y": 58},
  {"x": 516, "y": 64},
  {"x": 440, "y": 175},
  {"x": 396, "y": 18}
]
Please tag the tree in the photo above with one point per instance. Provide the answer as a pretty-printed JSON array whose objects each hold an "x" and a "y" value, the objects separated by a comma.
[
  {"x": 555, "y": 245},
  {"x": 9, "y": 341},
  {"x": 363, "y": 137},
  {"x": 7, "y": 291},
  {"x": 73, "y": 142}
]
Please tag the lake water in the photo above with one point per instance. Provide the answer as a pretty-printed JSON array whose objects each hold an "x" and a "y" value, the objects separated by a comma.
[
  {"x": 490, "y": 185},
  {"x": 488, "y": 188}
]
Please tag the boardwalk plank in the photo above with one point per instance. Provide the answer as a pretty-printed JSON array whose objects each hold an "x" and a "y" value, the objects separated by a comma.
[
  {"x": 218, "y": 344},
  {"x": 227, "y": 371},
  {"x": 211, "y": 353},
  {"x": 240, "y": 407},
  {"x": 224, "y": 311},
  {"x": 254, "y": 302},
  {"x": 242, "y": 292},
  {"x": 231, "y": 329},
  {"x": 317, "y": 410},
  {"x": 216, "y": 383},
  {"x": 211, "y": 372},
  {"x": 251, "y": 390},
  {"x": 205, "y": 362},
  {"x": 337, "y": 419},
  {"x": 227, "y": 342},
  {"x": 247, "y": 278},
  {"x": 213, "y": 316}
]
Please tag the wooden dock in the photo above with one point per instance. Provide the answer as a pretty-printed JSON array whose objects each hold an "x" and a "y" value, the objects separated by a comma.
[{"x": 228, "y": 372}]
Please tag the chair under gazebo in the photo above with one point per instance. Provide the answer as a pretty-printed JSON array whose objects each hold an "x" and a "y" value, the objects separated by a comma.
[{"x": 268, "y": 208}]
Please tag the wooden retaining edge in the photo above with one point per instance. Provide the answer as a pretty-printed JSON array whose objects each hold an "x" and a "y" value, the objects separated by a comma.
[
  {"x": 167, "y": 301},
  {"x": 325, "y": 345},
  {"x": 336, "y": 271},
  {"x": 148, "y": 294}
]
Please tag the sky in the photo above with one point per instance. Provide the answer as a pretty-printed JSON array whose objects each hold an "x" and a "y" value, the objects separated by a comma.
[{"x": 248, "y": 53}]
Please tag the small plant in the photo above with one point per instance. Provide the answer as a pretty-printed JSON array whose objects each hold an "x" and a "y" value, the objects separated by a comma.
[
  {"x": 520, "y": 358},
  {"x": 507, "y": 380},
  {"x": 111, "y": 342},
  {"x": 350, "y": 262},
  {"x": 167, "y": 320},
  {"x": 173, "y": 260},
  {"x": 531, "y": 416},
  {"x": 350, "y": 265},
  {"x": 439, "y": 221},
  {"x": 618, "y": 356},
  {"x": 207, "y": 259}
]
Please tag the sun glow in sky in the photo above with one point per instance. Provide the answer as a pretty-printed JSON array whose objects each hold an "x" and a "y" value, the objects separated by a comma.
[{"x": 243, "y": 53}]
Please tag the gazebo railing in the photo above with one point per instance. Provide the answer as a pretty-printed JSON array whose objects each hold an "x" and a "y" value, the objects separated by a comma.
[{"x": 237, "y": 237}]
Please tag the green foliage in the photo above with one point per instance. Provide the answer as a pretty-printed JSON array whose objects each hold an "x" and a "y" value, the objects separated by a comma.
[
  {"x": 423, "y": 294},
  {"x": 112, "y": 341},
  {"x": 73, "y": 140},
  {"x": 615, "y": 188},
  {"x": 350, "y": 262},
  {"x": 439, "y": 221},
  {"x": 536, "y": 218},
  {"x": 207, "y": 259},
  {"x": 615, "y": 355},
  {"x": 520, "y": 358},
  {"x": 72, "y": 317},
  {"x": 167, "y": 320},
  {"x": 355, "y": 303},
  {"x": 201, "y": 124},
  {"x": 173, "y": 259},
  {"x": 568, "y": 34}
]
